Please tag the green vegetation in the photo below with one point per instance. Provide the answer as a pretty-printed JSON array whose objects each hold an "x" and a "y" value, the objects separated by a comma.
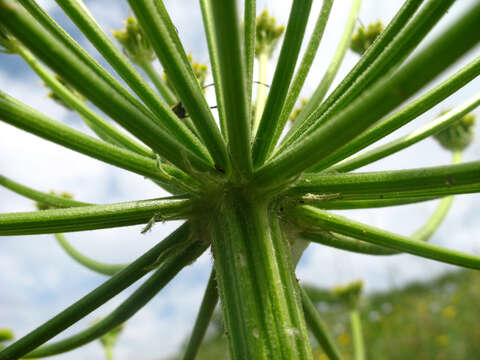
[
  {"x": 251, "y": 197},
  {"x": 435, "y": 320}
]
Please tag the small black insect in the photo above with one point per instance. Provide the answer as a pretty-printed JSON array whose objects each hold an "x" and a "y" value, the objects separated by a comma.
[
  {"x": 219, "y": 169},
  {"x": 180, "y": 110}
]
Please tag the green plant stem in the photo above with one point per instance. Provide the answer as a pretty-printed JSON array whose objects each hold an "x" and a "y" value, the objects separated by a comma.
[
  {"x": 311, "y": 216},
  {"x": 376, "y": 102},
  {"x": 269, "y": 128},
  {"x": 402, "y": 17},
  {"x": 95, "y": 298},
  {"x": 207, "y": 16},
  {"x": 456, "y": 178},
  {"x": 96, "y": 266},
  {"x": 260, "y": 301},
  {"x": 440, "y": 123},
  {"x": 159, "y": 83},
  {"x": 163, "y": 115},
  {"x": 109, "y": 352},
  {"x": 161, "y": 33},
  {"x": 49, "y": 199},
  {"x": 367, "y": 204},
  {"x": 403, "y": 116},
  {"x": 357, "y": 334},
  {"x": 61, "y": 35},
  {"x": 261, "y": 90},
  {"x": 209, "y": 301},
  {"x": 71, "y": 68},
  {"x": 21, "y": 116},
  {"x": 332, "y": 70},
  {"x": 305, "y": 65},
  {"x": 400, "y": 47},
  {"x": 77, "y": 104},
  {"x": 250, "y": 22},
  {"x": 173, "y": 264},
  {"x": 318, "y": 327},
  {"x": 232, "y": 70},
  {"x": 94, "y": 217}
]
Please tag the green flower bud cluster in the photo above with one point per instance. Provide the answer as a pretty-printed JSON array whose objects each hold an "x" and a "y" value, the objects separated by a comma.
[
  {"x": 349, "y": 294},
  {"x": 364, "y": 37},
  {"x": 59, "y": 100},
  {"x": 8, "y": 44},
  {"x": 267, "y": 34},
  {"x": 200, "y": 71},
  {"x": 298, "y": 110},
  {"x": 5, "y": 335},
  {"x": 458, "y": 135},
  {"x": 44, "y": 206},
  {"x": 135, "y": 45}
]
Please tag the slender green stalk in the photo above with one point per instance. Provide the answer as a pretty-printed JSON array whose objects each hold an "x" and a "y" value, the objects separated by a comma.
[
  {"x": 95, "y": 298},
  {"x": 260, "y": 302},
  {"x": 209, "y": 301},
  {"x": 167, "y": 271},
  {"x": 404, "y": 115},
  {"x": 161, "y": 33},
  {"x": 332, "y": 70},
  {"x": 77, "y": 11},
  {"x": 207, "y": 16},
  {"x": 75, "y": 103},
  {"x": 261, "y": 90},
  {"x": 440, "y": 123},
  {"x": 21, "y": 116},
  {"x": 305, "y": 65},
  {"x": 109, "y": 352},
  {"x": 94, "y": 217},
  {"x": 250, "y": 13},
  {"x": 96, "y": 266},
  {"x": 401, "y": 46},
  {"x": 367, "y": 204},
  {"x": 358, "y": 343},
  {"x": 70, "y": 67},
  {"x": 402, "y": 17},
  {"x": 49, "y": 199},
  {"x": 381, "y": 184},
  {"x": 368, "y": 108},
  {"x": 61, "y": 35},
  {"x": 265, "y": 137},
  {"x": 318, "y": 327},
  {"x": 330, "y": 222},
  {"x": 159, "y": 83},
  {"x": 231, "y": 67}
]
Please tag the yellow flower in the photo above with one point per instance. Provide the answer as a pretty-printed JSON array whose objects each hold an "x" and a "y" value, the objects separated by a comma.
[
  {"x": 442, "y": 340},
  {"x": 449, "y": 312},
  {"x": 343, "y": 339}
]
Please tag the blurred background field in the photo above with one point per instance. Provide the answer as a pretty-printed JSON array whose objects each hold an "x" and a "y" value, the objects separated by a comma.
[{"x": 434, "y": 320}]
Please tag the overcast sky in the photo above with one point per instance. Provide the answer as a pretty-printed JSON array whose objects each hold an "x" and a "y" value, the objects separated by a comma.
[{"x": 38, "y": 280}]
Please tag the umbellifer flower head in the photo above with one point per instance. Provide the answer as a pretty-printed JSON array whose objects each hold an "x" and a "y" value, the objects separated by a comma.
[
  {"x": 200, "y": 71},
  {"x": 364, "y": 37},
  {"x": 44, "y": 206},
  {"x": 458, "y": 135},
  {"x": 268, "y": 34},
  {"x": 298, "y": 110},
  {"x": 135, "y": 45}
]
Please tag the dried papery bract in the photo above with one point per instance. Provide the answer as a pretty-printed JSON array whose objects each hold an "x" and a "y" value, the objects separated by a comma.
[{"x": 250, "y": 197}]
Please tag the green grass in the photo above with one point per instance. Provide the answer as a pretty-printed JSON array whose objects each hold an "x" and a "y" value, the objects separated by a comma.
[{"x": 434, "y": 320}]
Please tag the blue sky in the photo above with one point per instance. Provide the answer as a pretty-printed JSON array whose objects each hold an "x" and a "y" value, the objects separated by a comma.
[{"x": 38, "y": 280}]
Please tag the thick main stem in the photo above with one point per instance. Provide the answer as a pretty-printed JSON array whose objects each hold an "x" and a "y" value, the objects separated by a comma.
[{"x": 259, "y": 294}]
